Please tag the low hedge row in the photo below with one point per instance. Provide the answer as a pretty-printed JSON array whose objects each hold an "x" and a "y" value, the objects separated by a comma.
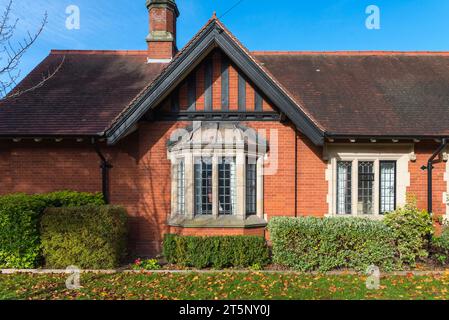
[
  {"x": 20, "y": 215},
  {"x": 216, "y": 252},
  {"x": 89, "y": 237},
  {"x": 309, "y": 244}
]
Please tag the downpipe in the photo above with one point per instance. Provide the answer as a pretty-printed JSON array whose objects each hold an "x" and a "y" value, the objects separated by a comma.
[
  {"x": 430, "y": 168},
  {"x": 105, "y": 168}
]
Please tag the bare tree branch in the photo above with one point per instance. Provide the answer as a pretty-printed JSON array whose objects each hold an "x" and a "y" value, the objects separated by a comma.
[
  {"x": 7, "y": 30},
  {"x": 11, "y": 55},
  {"x": 45, "y": 78}
]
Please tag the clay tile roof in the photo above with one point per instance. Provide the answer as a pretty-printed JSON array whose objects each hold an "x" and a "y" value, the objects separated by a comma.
[
  {"x": 368, "y": 93},
  {"x": 82, "y": 98},
  {"x": 345, "y": 93}
]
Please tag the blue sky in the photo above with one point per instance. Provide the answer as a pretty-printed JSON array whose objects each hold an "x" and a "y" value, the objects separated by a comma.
[{"x": 259, "y": 24}]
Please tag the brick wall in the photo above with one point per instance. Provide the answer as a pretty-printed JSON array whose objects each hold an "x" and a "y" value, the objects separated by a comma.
[
  {"x": 42, "y": 167},
  {"x": 313, "y": 187},
  {"x": 161, "y": 50},
  {"x": 418, "y": 178},
  {"x": 162, "y": 19},
  {"x": 140, "y": 179}
]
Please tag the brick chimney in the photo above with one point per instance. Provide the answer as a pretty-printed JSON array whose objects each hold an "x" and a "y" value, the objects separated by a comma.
[{"x": 162, "y": 38}]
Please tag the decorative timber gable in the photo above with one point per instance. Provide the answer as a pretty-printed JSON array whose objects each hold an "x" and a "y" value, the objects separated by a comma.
[
  {"x": 198, "y": 57},
  {"x": 216, "y": 90}
]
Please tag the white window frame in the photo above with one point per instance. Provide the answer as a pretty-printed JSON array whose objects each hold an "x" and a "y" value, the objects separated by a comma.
[{"x": 400, "y": 153}]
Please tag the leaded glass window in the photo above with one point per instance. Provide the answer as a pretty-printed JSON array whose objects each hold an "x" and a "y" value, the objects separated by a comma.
[
  {"x": 365, "y": 187},
  {"x": 203, "y": 186},
  {"x": 180, "y": 170},
  {"x": 387, "y": 186},
  {"x": 227, "y": 186},
  {"x": 344, "y": 187},
  {"x": 251, "y": 187}
]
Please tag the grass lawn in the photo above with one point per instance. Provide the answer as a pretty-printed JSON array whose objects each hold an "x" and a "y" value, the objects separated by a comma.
[{"x": 195, "y": 286}]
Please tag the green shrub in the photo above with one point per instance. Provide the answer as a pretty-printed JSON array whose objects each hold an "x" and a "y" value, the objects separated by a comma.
[
  {"x": 19, "y": 224},
  {"x": 89, "y": 237},
  {"x": 411, "y": 228},
  {"x": 19, "y": 233},
  {"x": 440, "y": 247},
  {"x": 150, "y": 264},
  {"x": 256, "y": 267},
  {"x": 216, "y": 252},
  {"x": 309, "y": 244}
]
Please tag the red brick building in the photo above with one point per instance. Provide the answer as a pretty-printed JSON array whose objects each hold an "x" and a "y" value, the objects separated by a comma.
[{"x": 214, "y": 139}]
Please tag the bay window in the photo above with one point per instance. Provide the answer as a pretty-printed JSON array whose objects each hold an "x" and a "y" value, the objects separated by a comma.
[{"x": 217, "y": 174}]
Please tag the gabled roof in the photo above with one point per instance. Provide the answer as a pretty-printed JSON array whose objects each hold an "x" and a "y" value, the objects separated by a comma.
[
  {"x": 368, "y": 93},
  {"x": 334, "y": 94},
  {"x": 82, "y": 98},
  {"x": 214, "y": 34}
]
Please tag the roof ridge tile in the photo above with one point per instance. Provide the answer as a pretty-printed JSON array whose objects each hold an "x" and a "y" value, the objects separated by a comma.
[
  {"x": 100, "y": 52},
  {"x": 354, "y": 53}
]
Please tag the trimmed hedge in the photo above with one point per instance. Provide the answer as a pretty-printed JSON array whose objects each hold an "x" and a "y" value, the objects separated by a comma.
[
  {"x": 20, "y": 215},
  {"x": 309, "y": 244},
  {"x": 216, "y": 252},
  {"x": 71, "y": 199},
  {"x": 89, "y": 237}
]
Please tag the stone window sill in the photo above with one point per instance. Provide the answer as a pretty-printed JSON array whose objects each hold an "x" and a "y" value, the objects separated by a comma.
[{"x": 217, "y": 222}]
